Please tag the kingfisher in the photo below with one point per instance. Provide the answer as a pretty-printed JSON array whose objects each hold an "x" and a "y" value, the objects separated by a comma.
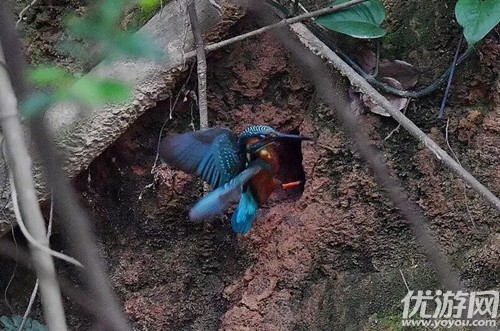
[{"x": 238, "y": 168}]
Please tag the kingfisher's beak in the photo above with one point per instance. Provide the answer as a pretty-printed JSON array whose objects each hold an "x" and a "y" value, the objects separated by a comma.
[
  {"x": 286, "y": 136},
  {"x": 278, "y": 137}
]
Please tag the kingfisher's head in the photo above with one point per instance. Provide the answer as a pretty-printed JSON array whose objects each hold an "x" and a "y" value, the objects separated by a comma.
[{"x": 257, "y": 136}]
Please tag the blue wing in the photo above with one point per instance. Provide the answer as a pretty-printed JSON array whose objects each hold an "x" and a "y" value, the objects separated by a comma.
[
  {"x": 211, "y": 154},
  {"x": 245, "y": 213},
  {"x": 217, "y": 201}
]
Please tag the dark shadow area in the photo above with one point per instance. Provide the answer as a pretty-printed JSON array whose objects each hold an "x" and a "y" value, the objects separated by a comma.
[{"x": 290, "y": 168}]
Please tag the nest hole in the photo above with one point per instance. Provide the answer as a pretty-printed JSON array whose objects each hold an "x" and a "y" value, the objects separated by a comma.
[{"x": 290, "y": 169}]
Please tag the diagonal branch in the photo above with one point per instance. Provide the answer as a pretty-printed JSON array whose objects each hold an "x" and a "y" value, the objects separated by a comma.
[
  {"x": 356, "y": 80},
  {"x": 280, "y": 24},
  {"x": 320, "y": 76}
]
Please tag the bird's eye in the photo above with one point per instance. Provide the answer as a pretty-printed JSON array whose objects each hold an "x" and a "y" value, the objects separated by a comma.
[{"x": 262, "y": 136}]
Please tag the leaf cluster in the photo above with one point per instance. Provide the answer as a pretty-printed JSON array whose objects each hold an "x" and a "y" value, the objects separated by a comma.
[
  {"x": 99, "y": 29},
  {"x": 14, "y": 322},
  {"x": 477, "y": 17}
]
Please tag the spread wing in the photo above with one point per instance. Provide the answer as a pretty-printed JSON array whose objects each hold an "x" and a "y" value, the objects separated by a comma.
[
  {"x": 211, "y": 154},
  {"x": 217, "y": 201}
]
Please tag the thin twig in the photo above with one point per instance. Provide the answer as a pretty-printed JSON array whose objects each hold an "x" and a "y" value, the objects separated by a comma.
[
  {"x": 21, "y": 14},
  {"x": 171, "y": 109},
  {"x": 399, "y": 124},
  {"x": 20, "y": 166},
  {"x": 404, "y": 280},
  {"x": 160, "y": 134},
  {"x": 282, "y": 23},
  {"x": 37, "y": 283},
  {"x": 450, "y": 78},
  {"x": 27, "y": 234},
  {"x": 377, "y": 63},
  {"x": 78, "y": 230},
  {"x": 393, "y": 132},
  {"x": 365, "y": 87},
  {"x": 201, "y": 66},
  {"x": 30, "y": 305},
  {"x": 216, "y": 6},
  {"x": 11, "y": 279}
]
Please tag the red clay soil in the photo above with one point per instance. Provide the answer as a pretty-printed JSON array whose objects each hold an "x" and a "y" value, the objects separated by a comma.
[{"x": 325, "y": 259}]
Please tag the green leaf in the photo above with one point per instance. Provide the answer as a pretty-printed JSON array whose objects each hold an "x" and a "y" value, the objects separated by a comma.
[
  {"x": 13, "y": 323},
  {"x": 37, "y": 103},
  {"x": 114, "y": 91},
  {"x": 478, "y": 17},
  {"x": 135, "y": 45},
  {"x": 102, "y": 27},
  {"x": 92, "y": 92},
  {"x": 360, "y": 30},
  {"x": 112, "y": 11},
  {"x": 360, "y": 21},
  {"x": 87, "y": 91},
  {"x": 89, "y": 27},
  {"x": 149, "y": 5},
  {"x": 49, "y": 76},
  {"x": 7, "y": 322}
]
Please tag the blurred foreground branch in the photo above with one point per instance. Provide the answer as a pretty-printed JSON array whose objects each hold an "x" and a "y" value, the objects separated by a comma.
[
  {"x": 356, "y": 80},
  {"x": 19, "y": 163},
  {"x": 321, "y": 77},
  {"x": 75, "y": 221}
]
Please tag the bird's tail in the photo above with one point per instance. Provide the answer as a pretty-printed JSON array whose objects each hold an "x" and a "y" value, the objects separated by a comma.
[{"x": 245, "y": 213}]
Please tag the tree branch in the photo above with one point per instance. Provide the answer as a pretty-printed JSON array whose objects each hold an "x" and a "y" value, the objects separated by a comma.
[
  {"x": 356, "y": 80},
  {"x": 37, "y": 283},
  {"x": 450, "y": 78},
  {"x": 320, "y": 76},
  {"x": 20, "y": 165},
  {"x": 317, "y": 30},
  {"x": 201, "y": 66},
  {"x": 73, "y": 293},
  {"x": 75, "y": 225},
  {"x": 33, "y": 242},
  {"x": 280, "y": 24},
  {"x": 25, "y": 9}
]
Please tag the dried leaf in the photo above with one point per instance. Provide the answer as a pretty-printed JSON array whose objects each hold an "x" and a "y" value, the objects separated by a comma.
[
  {"x": 398, "y": 102},
  {"x": 403, "y": 72}
]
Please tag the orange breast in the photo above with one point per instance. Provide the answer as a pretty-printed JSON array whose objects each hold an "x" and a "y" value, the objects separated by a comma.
[{"x": 263, "y": 184}]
